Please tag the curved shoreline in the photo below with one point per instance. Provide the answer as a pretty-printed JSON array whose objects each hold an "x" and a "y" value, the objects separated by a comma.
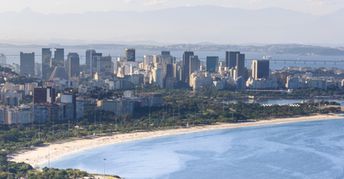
[{"x": 43, "y": 155}]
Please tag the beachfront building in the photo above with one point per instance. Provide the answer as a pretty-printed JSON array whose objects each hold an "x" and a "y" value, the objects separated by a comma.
[{"x": 18, "y": 115}]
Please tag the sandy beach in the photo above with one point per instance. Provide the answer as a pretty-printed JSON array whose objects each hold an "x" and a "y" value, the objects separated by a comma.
[{"x": 43, "y": 155}]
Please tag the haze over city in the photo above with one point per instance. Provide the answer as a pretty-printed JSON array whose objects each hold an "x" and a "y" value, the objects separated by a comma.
[
  {"x": 180, "y": 89},
  {"x": 166, "y": 21}
]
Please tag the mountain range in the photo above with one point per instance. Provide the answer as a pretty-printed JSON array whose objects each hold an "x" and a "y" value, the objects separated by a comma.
[{"x": 205, "y": 24}]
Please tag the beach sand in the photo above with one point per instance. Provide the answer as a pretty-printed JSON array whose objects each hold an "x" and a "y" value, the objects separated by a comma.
[{"x": 43, "y": 155}]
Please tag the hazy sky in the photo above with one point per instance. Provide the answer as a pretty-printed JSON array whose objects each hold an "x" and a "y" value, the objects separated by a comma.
[
  {"x": 64, "y": 6},
  {"x": 184, "y": 25}
]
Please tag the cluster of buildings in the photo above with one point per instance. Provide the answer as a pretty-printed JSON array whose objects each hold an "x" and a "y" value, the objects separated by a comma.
[
  {"x": 65, "y": 89},
  {"x": 50, "y": 105},
  {"x": 302, "y": 78}
]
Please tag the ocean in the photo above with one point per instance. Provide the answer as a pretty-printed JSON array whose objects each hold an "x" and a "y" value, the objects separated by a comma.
[{"x": 306, "y": 150}]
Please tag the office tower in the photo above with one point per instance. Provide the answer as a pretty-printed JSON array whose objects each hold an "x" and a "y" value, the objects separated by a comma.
[
  {"x": 89, "y": 55},
  {"x": 157, "y": 76},
  {"x": 212, "y": 63},
  {"x": 156, "y": 59},
  {"x": 240, "y": 66},
  {"x": 94, "y": 62},
  {"x": 260, "y": 69},
  {"x": 186, "y": 65},
  {"x": 44, "y": 95},
  {"x": 58, "y": 58},
  {"x": 177, "y": 71},
  {"x": 130, "y": 54},
  {"x": 194, "y": 65},
  {"x": 166, "y": 57},
  {"x": 38, "y": 70},
  {"x": 68, "y": 100},
  {"x": 231, "y": 59},
  {"x": 73, "y": 65},
  {"x": 105, "y": 66},
  {"x": 27, "y": 64},
  {"x": 165, "y": 53},
  {"x": 169, "y": 71},
  {"x": 147, "y": 61},
  {"x": 2, "y": 59},
  {"x": 169, "y": 78},
  {"x": 46, "y": 58}
]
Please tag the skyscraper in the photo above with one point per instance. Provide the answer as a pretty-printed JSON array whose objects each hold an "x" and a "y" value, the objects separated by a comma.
[
  {"x": 46, "y": 58},
  {"x": 231, "y": 59},
  {"x": 165, "y": 53},
  {"x": 2, "y": 59},
  {"x": 89, "y": 55},
  {"x": 27, "y": 64},
  {"x": 260, "y": 69},
  {"x": 212, "y": 63},
  {"x": 240, "y": 66},
  {"x": 95, "y": 57},
  {"x": 130, "y": 54},
  {"x": 166, "y": 57},
  {"x": 169, "y": 78},
  {"x": 186, "y": 65},
  {"x": 105, "y": 66},
  {"x": 195, "y": 64},
  {"x": 58, "y": 57},
  {"x": 73, "y": 65}
]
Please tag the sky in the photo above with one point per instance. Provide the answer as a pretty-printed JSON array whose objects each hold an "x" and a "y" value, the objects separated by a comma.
[
  {"x": 102, "y": 21},
  {"x": 79, "y": 6}
]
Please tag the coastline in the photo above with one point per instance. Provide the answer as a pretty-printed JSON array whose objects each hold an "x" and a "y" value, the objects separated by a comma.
[{"x": 42, "y": 155}]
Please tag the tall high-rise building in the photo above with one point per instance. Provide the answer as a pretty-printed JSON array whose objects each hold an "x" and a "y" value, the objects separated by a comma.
[
  {"x": 165, "y": 53},
  {"x": 130, "y": 54},
  {"x": 2, "y": 59},
  {"x": 194, "y": 65},
  {"x": 105, "y": 66},
  {"x": 186, "y": 65},
  {"x": 212, "y": 63},
  {"x": 94, "y": 62},
  {"x": 260, "y": 69},
  {"x": 46, "y": 58},
  {"x": 231, "y": 59},
  {"x": 73, "y": 65},
  {"x": 169, "y": 71},
  {"x": 58, "y": 57},
  {"x": 27, "y": 64},
  {"x": 169, "y": 78},
  {"x": 240, "y": 65},
  {"x": 89, "y": 55},
  {"x": 166, "y": 57}
]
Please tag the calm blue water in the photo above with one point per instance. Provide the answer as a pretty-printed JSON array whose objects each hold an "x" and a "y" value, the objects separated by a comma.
[{"x": 309, "y": 150}]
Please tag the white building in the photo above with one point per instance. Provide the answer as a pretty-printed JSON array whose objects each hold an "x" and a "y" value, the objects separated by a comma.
[
  {"x": 120, "y": 107},
  {"x": 157, "y": 77},
  {"x": 316, "y": 83},
  {"x": 200, "y": 80},
  {"x": 294, "y": 83},
  {"x": 18, "y": 115},
  {"x": 262, "y": 83}
]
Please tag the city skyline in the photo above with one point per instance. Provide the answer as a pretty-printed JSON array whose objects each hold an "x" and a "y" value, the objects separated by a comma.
[{"x": 171, "y": 89}]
